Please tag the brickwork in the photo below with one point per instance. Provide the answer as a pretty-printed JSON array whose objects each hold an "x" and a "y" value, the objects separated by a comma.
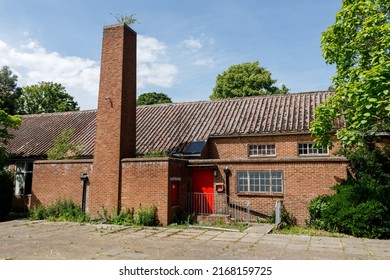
[
  {"x": 146, "y": 182},
  {"x": 237, "y": 147},
  {"x": 302, "y": 181},
  {"x": 304, "y": 177},
  {"x": 53, "y": 180},
  {"x": 116, "y": 117}
]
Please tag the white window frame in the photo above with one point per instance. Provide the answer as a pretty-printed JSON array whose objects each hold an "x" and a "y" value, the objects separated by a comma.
[
  {"x": 21, "y": 173},
  {"x": 261, "y": 150},
  {"x": 260, "y": 181},
  {"x": 307, "y": 149}
]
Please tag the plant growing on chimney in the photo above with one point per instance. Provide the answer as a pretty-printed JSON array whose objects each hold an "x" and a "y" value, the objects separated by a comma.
[
  {"x": 129, "y": 19},
  {"x": 63, "y": 148}
]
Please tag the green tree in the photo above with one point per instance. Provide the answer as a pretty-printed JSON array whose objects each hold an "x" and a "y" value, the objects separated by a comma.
[
  {"x": 63, "y": 148},
  {"x": 150, "y": 98},
  {"x": 358, "y": 43},
  {"x": 7, "y": 122},
  {"x": 46, "y": 97},
  {"x": 9, "y": 91},
  {"x": 246, "y": 79}
]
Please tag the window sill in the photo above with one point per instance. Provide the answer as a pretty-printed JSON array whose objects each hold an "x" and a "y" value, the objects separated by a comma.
[
  {"x": 262, "y": 156},
  {"x": 314, "y": 155},
  {"x": 253, "y": 194}
]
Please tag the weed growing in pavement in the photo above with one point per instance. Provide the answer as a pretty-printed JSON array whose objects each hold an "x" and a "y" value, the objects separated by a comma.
[{"x": 61, "y": 210}]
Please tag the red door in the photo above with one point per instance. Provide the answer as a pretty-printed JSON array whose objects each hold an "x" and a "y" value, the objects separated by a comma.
[{"x": 203, "y": 190}]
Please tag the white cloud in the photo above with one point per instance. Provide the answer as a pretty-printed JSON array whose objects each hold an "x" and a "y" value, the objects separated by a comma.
[
  {"x": 153, "y": 64},
  {"x": 209, "y": 62},
  {"x": 193, "y": 44},
  {"x": 33, "y": 63},
  {"x": 80, "y": 76}
]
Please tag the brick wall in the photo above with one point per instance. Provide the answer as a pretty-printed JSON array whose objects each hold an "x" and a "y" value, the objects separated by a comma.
[
  {"x": 146, "y": 182},
  {"x": 53, "y": 180},
  {"x": 304, "y": 177},
  {"x": 237, "y": 147},
  {"x": 302, "y": 181}
]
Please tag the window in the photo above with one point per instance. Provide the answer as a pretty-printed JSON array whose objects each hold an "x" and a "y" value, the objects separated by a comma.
[
  {"x": 309, "y": 149},
  {"x": 23, "y": 177},
  {"x": 262, "y": 150},
  {"x": 260, "y": 181}
]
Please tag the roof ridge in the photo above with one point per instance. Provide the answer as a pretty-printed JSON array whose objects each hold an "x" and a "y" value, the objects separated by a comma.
[
  {"x": 194, "y": 102},
  {"x": 59, "y": 113},
  {"x": 239, "y": 98}
]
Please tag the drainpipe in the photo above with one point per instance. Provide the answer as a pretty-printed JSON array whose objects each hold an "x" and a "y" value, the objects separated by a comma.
[
  {"x": 84, "y": 179},
  {"x": 227, "y": 173}
]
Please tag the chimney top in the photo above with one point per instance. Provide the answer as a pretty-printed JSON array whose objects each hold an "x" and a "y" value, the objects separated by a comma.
[{"x": 119, "y": 25}]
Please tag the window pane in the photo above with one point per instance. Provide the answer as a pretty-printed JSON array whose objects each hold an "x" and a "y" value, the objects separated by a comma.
[
  {"x": 19, "y": 183},
  {"x": 242, "y": 181},
  {"x": 268, "y": 149},
  {"x": 264, "y": 181},
  {"x": 29, "y": 166},
  {"x": 28, "y": 183},
  {"x": 309, "y": 149},
  {"x": 277, "y": 183},
  {"x": 260, "y": 181},
  {"x": 254, "y": 181},
  {"x": 20, "y": 167}
]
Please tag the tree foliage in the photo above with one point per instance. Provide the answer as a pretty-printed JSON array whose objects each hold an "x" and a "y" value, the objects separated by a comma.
[
  {"x": 361, "y": 204},
  {"x": 63, "y": 148},
  {"x": 358, "y": 43},
  {"x": 46, "y": 97},
  {"x": 9, "y": 91},
  {"x": 150, "y": 98},
  {"x": 246, "y": 79}
]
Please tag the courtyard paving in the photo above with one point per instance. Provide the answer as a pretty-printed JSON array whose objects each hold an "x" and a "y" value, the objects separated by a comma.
[{"x": 42, "y": 240}]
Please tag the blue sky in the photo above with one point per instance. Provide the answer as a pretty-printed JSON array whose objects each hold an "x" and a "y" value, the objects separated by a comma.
[{"x": 182, "y": 45}]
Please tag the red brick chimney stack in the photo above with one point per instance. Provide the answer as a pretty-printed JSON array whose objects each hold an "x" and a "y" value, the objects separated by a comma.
[{"x": 116, "y": 116}]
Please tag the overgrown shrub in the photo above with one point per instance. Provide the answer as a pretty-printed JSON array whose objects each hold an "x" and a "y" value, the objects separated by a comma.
[
  {"x": 63, "y": 148},
  {"x": 184, "y": 218},
  {"x": 66, "y": 210},
  {"x": 6, "y": 192},
  {"x": 61, "y": 210},
  {"x": 287, "y": 219},
  {"x": 147, "y": 216},
  {"x": 361, "y": 204},
  {"x": 317, "y": 206},
  {"x": 124, "y": 218}
]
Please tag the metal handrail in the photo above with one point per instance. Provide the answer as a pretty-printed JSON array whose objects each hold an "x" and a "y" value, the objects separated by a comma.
[{"x": 219, "y": 204}]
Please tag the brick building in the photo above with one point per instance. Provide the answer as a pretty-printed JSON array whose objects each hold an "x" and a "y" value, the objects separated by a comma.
[{"x": 215, "y": 157}]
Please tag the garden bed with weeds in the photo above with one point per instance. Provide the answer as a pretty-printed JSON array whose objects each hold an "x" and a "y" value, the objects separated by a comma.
[
  {"x": 298, "y": 230},
  {"x": 67, "y": 211}
]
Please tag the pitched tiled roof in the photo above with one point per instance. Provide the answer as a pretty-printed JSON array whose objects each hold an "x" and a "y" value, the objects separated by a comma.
[
  {"x": 36, "y": 134},
  {"x": 170, "y": 127}
]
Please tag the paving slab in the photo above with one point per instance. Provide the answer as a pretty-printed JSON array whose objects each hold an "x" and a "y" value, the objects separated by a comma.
[
  {"x": 41, "y": 240},
  {"x": 260, "y": 228}
]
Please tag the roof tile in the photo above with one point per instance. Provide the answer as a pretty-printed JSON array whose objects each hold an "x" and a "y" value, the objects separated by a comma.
[{"x": 170, "y": 127}]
